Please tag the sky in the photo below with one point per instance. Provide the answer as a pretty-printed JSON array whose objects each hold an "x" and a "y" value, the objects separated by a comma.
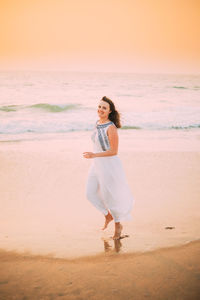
[{"x": 145, "y": 36}]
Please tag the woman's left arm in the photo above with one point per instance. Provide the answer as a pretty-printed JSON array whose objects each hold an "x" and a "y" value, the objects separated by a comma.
[{"x": 113, "y": 140}]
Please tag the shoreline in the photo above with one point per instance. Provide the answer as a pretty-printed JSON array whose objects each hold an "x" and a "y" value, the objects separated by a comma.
[
  {"x": 98, "y": 257},
  {"x": 133, "y": 140}
]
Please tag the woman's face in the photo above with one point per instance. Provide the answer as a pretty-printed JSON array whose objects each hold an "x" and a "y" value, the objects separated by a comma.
[{"x": 103, "y": 109}]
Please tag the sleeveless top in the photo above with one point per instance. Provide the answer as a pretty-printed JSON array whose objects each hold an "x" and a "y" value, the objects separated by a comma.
[{"x": 101, "y": 131}]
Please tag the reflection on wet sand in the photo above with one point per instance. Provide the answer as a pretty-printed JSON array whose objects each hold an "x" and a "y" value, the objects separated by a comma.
[{"x": 117, "y": 244}]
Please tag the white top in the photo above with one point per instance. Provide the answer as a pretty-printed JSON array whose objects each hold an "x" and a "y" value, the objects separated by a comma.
[{"x": 100, "y": 137}]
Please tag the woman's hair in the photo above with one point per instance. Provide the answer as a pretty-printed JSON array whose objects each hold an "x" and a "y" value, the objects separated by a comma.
[{"x": 114, "y": 115}]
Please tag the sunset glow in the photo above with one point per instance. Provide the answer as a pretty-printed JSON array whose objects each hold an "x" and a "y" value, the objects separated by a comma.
[{"x": 113, "y": 35}]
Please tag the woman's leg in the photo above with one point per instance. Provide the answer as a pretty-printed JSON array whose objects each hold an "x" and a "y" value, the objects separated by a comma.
[
  {"x": 118, "y": 230},
  {"x": 108, "y": 219}
]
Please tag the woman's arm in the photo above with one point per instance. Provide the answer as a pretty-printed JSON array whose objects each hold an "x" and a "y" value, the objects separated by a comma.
[{"x": 113, "y": 140}]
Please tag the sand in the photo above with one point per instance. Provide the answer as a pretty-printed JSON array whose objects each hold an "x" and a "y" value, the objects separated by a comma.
[
  {"x": 44, "y": 209},
  {"x": 50, "y": 239},
  {"x": 171, "y": 273}
]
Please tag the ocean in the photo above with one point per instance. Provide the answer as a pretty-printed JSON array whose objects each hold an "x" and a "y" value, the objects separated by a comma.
[{"x": 37, "y": 105}]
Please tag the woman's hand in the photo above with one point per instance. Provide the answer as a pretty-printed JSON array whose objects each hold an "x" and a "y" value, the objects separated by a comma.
[{"x": 88, "y": 154}]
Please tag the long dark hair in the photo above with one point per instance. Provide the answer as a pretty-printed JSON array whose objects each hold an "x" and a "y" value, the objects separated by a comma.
[{"x": 114, "y": 115}]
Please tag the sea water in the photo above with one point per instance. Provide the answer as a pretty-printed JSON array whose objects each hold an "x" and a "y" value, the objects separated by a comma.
[{"x": 43, "y": 104}]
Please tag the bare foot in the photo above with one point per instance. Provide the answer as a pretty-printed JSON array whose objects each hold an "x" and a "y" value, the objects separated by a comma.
[
  {"x": 118, "y": 230},
  {"x": 108, "y": 219}
]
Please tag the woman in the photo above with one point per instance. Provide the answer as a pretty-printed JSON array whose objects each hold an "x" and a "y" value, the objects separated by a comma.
[{"x": 107, "y": 188}]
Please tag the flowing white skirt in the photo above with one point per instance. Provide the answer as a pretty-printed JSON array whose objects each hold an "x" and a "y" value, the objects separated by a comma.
[{"x": 107, "y": 188}]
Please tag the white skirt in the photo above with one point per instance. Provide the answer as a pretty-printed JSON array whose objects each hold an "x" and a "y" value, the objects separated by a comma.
[{"x": 107, "y": 188}]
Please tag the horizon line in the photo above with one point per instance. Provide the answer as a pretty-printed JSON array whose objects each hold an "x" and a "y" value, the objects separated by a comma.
[{"x": 100, "y": 71}]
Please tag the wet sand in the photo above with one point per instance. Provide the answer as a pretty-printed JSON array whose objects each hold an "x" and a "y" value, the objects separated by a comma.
[{"x": 170, "y": 273}]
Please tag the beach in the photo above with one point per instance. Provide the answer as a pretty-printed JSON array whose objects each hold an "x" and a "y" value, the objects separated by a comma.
[
  {"x": 51, "y": 240},
  {"x": 44, "y": 209},
  {"x": 65, "y": 68},
  {"x": 171, "y": 273}
]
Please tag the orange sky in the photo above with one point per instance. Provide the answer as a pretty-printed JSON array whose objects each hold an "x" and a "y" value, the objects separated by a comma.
[{"x": 101, "y": 35}]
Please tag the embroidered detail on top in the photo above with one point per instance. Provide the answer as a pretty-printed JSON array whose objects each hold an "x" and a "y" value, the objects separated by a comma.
[
  {"x": 106, "y": 139},
  {"x": 103, "y": 125},
  {"x": 103, "y": 138}
]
